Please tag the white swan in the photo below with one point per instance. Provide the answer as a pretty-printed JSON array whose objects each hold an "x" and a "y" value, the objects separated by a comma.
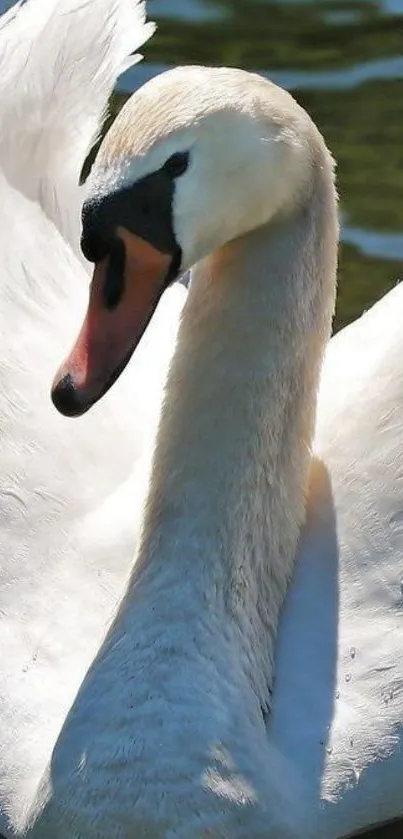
[
  {"x": 187, "y": 752},
  {"x": 46, "y": 650},
  {"x": 199, "y": 616}
]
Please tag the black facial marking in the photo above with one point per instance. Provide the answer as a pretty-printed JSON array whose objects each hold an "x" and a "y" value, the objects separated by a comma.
[
  {"x": 115, "y": 275},
  {"x": 144, "y": 208},
  {"x": 94, "y": 249}
]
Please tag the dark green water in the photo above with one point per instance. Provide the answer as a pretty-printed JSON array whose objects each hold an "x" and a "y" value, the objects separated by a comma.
[{"x": 343, "y": 61}]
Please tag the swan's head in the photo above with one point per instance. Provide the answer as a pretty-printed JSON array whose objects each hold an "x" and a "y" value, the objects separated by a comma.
[{"x": 196, "y": 158}]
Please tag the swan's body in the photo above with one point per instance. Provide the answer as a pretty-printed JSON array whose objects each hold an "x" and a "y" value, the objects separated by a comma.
[
  {"x": 61, "y": 579},
  {"x": 346, "y": 737}
]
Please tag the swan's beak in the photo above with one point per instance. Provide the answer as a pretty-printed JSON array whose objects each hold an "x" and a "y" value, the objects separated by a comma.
[{"x": 125, "y": 290}]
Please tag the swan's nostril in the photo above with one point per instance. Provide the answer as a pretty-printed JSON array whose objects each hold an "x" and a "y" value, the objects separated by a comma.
[{"x": 65, "y": 397}]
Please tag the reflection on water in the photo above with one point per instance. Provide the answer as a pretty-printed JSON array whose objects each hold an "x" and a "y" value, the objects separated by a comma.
[{"x": 343, "y": 61}]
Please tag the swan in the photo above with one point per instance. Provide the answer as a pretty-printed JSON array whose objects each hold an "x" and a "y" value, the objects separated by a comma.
[
  {"x": 227, "y": 491},
  {"x": 69, "y": 517},
  {"x": 220, "y": 172}
]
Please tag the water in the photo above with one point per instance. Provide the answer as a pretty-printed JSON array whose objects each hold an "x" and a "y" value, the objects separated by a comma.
[{"x": 342, "y": 60}]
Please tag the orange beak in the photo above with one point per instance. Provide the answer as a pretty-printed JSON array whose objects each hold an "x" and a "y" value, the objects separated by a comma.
[{"x": 112, "y": 328}]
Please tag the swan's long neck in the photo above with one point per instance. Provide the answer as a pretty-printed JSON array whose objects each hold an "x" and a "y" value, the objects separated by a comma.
[{"x": 227, "y": 497}]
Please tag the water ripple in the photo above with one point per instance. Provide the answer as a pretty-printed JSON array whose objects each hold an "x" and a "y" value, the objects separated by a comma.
[{"x": 344, "y": 79}]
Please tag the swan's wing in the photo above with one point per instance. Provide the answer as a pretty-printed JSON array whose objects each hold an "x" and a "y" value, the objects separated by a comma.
[
  {"x": 339, "y": 692},
  {"x": 58, "y": 63},
  {"x": 67, "y": 536}
]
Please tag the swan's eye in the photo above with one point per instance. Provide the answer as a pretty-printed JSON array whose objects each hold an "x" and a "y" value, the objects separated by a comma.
[{"x": 177, "y": 164}]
